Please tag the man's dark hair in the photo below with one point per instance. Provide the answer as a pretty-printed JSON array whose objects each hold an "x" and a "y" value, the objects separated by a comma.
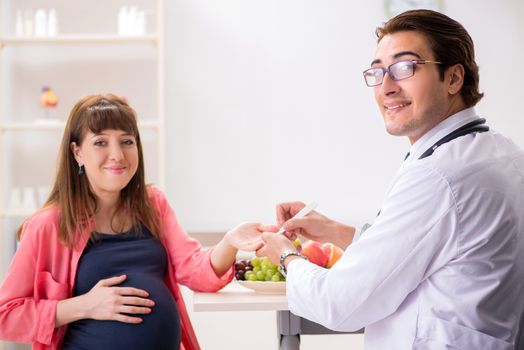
[{"x": 449, "y": 40}]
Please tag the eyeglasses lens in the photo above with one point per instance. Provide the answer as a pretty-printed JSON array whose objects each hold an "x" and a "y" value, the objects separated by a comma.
[
  {"x": 401, "y": 70},
  {"x": 373, "y": 76},
  {"x": 397, "y": 71}
]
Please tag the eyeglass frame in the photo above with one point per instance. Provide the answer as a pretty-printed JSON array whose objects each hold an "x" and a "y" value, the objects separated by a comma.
[{"x": 414, "y": 62}]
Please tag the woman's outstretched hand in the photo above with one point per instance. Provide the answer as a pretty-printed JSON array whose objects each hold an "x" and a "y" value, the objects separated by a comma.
[{"x": 247, "y": 236}]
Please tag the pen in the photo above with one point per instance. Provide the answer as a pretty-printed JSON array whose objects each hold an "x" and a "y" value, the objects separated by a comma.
[{"x": 303, "y": 212}]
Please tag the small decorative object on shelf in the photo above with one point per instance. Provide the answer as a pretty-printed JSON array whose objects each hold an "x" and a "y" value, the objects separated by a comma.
[{"x": 48, "y": 99}]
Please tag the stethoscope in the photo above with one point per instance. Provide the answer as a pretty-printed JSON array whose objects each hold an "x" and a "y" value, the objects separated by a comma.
[{"x": 478, "y": 125}]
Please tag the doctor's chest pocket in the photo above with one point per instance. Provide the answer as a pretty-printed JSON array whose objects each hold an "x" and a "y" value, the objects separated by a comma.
[
  {"x": 48, "y": 288},
  {"x": 437, "y": 334}
]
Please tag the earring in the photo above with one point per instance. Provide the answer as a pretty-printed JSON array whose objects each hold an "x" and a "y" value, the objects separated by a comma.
[{"x": 81, "y": 170}]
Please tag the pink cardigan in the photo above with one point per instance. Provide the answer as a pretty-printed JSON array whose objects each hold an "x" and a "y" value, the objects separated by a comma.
[{"x": 43, "y": 272}]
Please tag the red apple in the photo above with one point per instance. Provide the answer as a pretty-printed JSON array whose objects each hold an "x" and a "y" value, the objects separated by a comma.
[
  {"x": 314, "y": 252},
  {"x": 333, "y": 252}
]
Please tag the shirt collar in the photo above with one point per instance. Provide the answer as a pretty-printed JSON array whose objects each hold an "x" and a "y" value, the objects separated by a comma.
[{"x": 445, "y": 127}]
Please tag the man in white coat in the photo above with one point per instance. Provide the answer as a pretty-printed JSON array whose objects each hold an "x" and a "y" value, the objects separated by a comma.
[{"x": 442, "y": 265}]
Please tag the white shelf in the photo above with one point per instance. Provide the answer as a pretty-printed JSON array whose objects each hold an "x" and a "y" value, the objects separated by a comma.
[
  {"x": 48, "y": 125},
  {"x": 79, "y": 39},
  {"x": 59, "y": 125},
  {"x": 16, "y": 49},
  {"x": 16, "y": 213}
]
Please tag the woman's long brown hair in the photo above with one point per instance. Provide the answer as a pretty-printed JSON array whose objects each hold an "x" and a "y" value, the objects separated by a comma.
[{"x": 72, "y": 193}]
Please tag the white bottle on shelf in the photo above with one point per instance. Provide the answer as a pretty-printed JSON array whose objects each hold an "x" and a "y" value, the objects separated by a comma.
[
  {"x": 131, "y": 20},
  {"x": 123, "y": 15},
  {"x": 141, "y": 22},
  {"x": 28, "y": 23},
  {"x": 15, "y": 199},
  {"x": 40, "y": 22},
  {"x": 52, "y": 23},
  {"x": 19, "y": 25},
  {"x": 42, "y": 194},
  {"x": 28, "y": 199}
]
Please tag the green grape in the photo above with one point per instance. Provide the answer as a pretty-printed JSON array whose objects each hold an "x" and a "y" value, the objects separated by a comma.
[
  {"x": 276, "y": 277},
  {"x": 247, "y": 274},
  {"x": 252, "y": 277},
  {"x": 282, "y": 278},
  {"x": 255, "y": 261},
  {"x": 261, "y": 276},
  {"x": 256, "y": 269},
  {"x": 270, "y": 272}
]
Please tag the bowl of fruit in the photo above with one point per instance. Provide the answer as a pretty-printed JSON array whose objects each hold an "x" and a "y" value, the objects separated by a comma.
[{"x": 260, "y": 275}]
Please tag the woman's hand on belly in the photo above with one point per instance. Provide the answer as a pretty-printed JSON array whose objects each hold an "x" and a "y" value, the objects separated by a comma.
[{"x": 105, "y": 301}]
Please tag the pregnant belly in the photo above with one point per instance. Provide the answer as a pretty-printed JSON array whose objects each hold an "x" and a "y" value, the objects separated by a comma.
[{"x": 160, "y": 329}]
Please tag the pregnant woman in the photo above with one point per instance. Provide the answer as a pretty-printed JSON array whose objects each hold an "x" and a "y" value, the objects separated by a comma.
[{"x": 98, "y": 266}]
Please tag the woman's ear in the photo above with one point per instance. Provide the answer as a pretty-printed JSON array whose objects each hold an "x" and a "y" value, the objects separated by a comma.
[
  {"x": 455, "y": 77},
  {"x": 76, "y": 152}
]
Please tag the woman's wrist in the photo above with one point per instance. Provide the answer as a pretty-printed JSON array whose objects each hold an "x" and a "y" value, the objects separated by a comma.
[
  {"x": 227, "y": 239},
  {"x": 223, "y": 256},
  {"x": 70, "y": 310}
]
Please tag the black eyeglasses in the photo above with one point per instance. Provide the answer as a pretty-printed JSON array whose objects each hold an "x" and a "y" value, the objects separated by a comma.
[{"x": 397, "y": 71}]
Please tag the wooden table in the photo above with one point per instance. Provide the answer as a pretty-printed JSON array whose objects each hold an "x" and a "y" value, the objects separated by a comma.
[{"x": 234, "y": 297}]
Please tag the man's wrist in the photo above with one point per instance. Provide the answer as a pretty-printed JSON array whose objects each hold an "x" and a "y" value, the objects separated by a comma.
[
  {"x": 286, "y": 257},
  {"x": 344, "y": 235},
  {"x": 289, "y": 259}
]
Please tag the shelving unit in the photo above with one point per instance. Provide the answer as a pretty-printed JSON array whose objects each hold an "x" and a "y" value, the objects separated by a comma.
[
  {"x": 118, "y": 59},
  {"x": 80, "y": 39},
  {"x": 55, "y": 125}
]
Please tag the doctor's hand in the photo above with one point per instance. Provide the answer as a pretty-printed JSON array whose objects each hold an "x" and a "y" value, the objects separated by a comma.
[
  {"x": 313, "y": 226},
  {"x": 274, "y": 246}
]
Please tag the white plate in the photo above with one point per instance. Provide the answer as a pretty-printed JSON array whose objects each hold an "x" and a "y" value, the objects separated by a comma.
[{"x": 265, "y": 287}]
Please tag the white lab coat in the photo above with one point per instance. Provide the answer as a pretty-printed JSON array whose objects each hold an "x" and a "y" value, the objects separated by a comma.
[{"x": 442, "y": 266}]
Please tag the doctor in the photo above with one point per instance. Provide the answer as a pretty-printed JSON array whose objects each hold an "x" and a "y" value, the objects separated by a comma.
[{"x": 442, "y": 265}]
